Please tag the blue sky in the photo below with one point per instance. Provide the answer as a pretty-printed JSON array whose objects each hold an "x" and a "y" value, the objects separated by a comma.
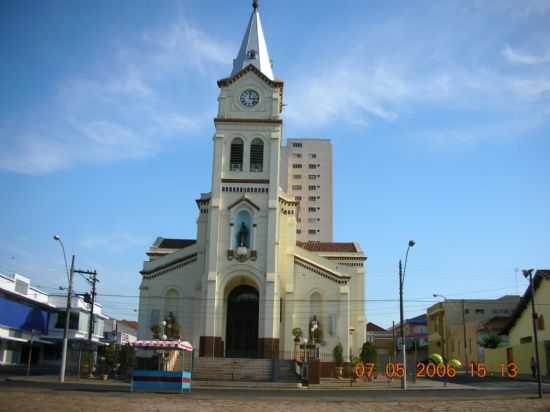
[{"x": 439, "y": 113}]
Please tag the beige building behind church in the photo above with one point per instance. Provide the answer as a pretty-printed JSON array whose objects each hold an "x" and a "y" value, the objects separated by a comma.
[{"x": 307, "y": 175}]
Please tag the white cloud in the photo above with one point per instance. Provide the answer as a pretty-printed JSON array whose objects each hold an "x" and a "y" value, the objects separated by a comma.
[
  {"x": 515, "y": 56},
  {"x": 114, "y": 242},
  {"x": 119, "y": 111}
]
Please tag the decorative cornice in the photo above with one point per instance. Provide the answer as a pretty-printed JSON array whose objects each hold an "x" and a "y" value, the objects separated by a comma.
[
  {"x": 184, "y": 261},
  {"x": 243, "y": 199},
  {"x": 242, "y": 120},
  {"x": 335, "y": 277},
  {"x": 259, "y": 181},
  {"x": 255, "y": 70}
]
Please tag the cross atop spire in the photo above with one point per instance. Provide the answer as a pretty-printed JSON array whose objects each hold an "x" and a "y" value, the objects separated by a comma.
[{"x": 254, "y": 48}]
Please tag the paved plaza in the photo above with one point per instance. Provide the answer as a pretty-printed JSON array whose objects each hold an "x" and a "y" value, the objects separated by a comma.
[{"x": 45, "y": 394}]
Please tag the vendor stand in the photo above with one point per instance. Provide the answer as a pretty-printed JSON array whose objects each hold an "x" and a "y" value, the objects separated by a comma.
[{"x": 165, "y": 378}]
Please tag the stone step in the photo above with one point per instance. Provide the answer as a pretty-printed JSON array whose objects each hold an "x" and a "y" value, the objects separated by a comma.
[{"x": 232, "y": 369}]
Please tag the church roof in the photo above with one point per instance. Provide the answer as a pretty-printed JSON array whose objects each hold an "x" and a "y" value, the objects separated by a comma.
[
  {"x": 373, "y": 327},
  {"x": 314, "y": 246},
  {"x": 253, "y": 47},
  {"x": 175, "y": 243}
]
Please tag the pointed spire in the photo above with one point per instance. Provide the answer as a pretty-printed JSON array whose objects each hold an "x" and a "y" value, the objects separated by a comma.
[{"x": 254, "y": 48}]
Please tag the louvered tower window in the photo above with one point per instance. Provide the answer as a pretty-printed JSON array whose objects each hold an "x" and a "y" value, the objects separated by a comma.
[
  {"x": 237, "y": 147},
  {"x": 257, "y": 156}
]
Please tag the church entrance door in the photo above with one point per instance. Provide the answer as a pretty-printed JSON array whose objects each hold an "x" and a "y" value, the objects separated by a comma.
[{"x": 242, "y": 323}]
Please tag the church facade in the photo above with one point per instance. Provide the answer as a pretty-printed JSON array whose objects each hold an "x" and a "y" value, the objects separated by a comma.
[{"x": 245, "y": 283}]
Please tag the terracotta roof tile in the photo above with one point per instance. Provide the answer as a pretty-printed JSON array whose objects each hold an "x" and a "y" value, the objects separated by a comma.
[
  {"x": 373, "y": 327},
  {"x": 130, "y": 323},
  {"x": 314, "y": 246}
]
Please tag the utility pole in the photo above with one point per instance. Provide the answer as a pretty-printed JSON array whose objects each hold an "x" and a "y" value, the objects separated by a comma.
[
  {"x": 66, "y": 330},
  {"x": 91, "y": 277},
  {"x": 402, "y": 329},
  {"x": 466, "y": 363},
  {"x": 393, "y": 340},
  {"x": 529, "y": 274}
]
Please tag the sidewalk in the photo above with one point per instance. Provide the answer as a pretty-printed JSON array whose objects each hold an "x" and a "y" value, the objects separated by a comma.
[{"x": 326, "y": 384}]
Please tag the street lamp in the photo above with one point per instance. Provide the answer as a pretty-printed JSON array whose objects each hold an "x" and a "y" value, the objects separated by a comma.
[
  {"x": 402, "y": 271},
  {"x": 528, "y": 274},
  {"x": 57, "y": 238}
]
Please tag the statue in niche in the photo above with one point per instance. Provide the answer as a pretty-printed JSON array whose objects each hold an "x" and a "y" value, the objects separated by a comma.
[{"x": 243, "y": 236}]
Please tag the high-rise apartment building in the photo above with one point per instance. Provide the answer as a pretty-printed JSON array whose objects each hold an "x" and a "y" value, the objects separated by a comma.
[{"x": 307, "y": 172}]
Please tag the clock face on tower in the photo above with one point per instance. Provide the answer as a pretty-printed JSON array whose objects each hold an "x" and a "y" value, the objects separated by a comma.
[{"x": 250, "y": 98}]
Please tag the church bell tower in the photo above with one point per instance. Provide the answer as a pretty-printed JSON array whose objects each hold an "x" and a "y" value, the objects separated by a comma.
[{"x": 242, "y": 224}]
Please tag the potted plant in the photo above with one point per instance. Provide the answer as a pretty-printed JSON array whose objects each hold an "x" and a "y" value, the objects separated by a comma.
[
  {"x": 155, "y": 329},
  {"x": 338, "y": 356},
  {"x": 297, "y": 332}
]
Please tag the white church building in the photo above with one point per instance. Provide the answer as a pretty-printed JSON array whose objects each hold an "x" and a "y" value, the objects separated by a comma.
[{"x": 245, "y": 283}]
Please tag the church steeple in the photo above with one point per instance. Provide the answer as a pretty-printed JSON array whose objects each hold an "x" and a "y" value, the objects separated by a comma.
[{"x": 254, "y": 48}]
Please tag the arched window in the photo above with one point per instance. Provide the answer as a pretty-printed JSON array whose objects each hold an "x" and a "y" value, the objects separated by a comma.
[
  {"x": 257, "y": 156},
  {"x": 236, "y": 161}
]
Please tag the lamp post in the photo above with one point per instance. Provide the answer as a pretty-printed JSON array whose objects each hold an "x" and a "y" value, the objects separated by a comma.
[
  {"x": 528, "y": 274},
  {"x": 33, "y": 332},
  {"x": 351, "y": 330},
  {"x": 445, "y": 343},
  {"x": 402, "y": 270},
  {"x": 67, "y": 311}
]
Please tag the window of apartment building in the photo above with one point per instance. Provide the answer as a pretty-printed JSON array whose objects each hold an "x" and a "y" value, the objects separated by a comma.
[
  {"x": 313, "y": 155},
  {"x": 312, "y": 177},
  {"x": 296, "y": 166},
  {"x": 298, "y": 198},
  {"x": 313, "y": 198},
  {"x": 313, "y": 209},
  {"x": 298, "y": 219},
  {"x": 297, "y": 155},
  {"x": 480, "y": 311},
  {"x": 298, "y": 231},
  {"x": 296, "y": 176},
  {"x": 296, "y": 187},
  {"x": 312, "y": 220},
  {"x": 312, "y": 166},
  {"x": 312, "y": 231},
  {"x": 313, "y": 187},
  {"x": 257, "y": 155},
  {"x": 296, "y": 144}
]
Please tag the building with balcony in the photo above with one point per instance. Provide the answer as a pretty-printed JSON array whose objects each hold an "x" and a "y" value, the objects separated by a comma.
[
  {"x": 30, "y": 316},
  {"x": 447, "y": 320}
]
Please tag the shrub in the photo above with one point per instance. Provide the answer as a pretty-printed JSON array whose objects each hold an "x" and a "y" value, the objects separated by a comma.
[
  {"x": 338, "y": 354},
  {"x": 368, "y": 353}
]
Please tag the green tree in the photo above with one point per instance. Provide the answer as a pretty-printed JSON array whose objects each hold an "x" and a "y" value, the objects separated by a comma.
[
  {"x": 491, "y": 341},
  {"x": 368, "y": 353}
]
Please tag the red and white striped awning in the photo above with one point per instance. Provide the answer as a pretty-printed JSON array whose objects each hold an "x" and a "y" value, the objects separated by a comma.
[{"x": 163, "y": 344}]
